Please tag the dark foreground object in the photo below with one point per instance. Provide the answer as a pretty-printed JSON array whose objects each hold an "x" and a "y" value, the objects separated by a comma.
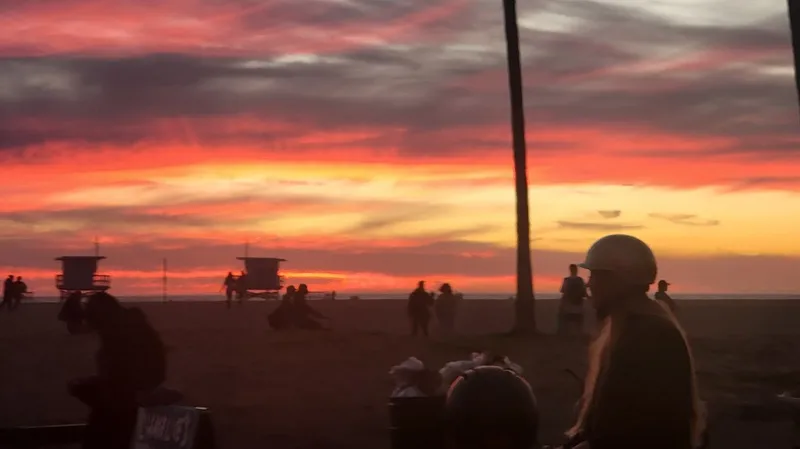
[
  {"x": 161, "y": 427},
  {"x": 416, "y": 422},
  {"x": 42, "y": 436}
]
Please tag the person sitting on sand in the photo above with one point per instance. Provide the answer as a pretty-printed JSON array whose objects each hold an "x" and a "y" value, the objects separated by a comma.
[
  {"x": 662, "y": 296},
  {"x": 281, "y": 318},
  {"x": 131, "y": 362},
  {"x": 445, "y": 308},
  {"x": 419, "y": 303},
  {"x": 640, "y": 389},
  {"x": 303, "y": 314}
]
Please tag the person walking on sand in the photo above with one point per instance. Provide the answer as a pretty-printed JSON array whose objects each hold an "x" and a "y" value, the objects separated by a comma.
[
  {"x": 662, "y": 296},
  {"x": 445, "y": 308},
  {"x": 8, "y": 292},
  {"x": 640, "y": 388},
  {"x": 19, "y": 290},
  {"x": 419, "y": 303},
  {"x": 570, "y": 308},
  {"x": 229, "y": 284},
  {"x": 241, "y": 287}
]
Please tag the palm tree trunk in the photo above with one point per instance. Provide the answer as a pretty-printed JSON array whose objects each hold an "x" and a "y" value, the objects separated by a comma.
[
  {"x": 525, "y": 312},
  {"x": 794, "y": 23}
]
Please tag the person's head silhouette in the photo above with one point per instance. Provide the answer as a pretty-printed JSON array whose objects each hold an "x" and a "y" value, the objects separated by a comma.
[{"x": 573, "y": 270}]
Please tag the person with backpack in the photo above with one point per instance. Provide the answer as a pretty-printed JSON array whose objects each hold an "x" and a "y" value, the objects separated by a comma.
[{"x": 570, "y": 309}]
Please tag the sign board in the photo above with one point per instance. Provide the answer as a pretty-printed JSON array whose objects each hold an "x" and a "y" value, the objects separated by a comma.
[{"x": 171, "y": 427}]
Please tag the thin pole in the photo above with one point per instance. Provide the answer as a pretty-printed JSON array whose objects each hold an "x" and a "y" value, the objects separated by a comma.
[
  {"x": 96, "y": 247},
  {"x": 525, "y": 310},
  {"x": 246, "y": 247},
  {"x": 164, "y": 289}
]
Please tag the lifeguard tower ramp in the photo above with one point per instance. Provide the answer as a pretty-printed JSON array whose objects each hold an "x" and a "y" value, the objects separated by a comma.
[
  {"x": 79, "y": 273},
  {"x": 263, "y": 276}
]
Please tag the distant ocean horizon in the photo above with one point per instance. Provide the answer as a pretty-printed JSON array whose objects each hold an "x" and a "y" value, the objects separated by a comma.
[{"x": 341, "y": 296}]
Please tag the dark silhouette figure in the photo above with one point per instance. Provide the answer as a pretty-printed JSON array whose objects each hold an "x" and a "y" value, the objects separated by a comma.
[
  {"x": 419, "y": 303},
  {"x": 241, "y": 287},
  {"x": 445, "y": 308},
  {"x": 281, "y": 318},
  {"x": 662, "y": 296},
  {"x": 640, "y": 389},
  {"x": 19, "y": 289},
  {"x": 72, "y": 312},
  {"x": 570, "y": 310},
  {"x": 8, "y": 292},
  {"x": 229, "y": 284},
  {"x": 131, "y": 362},
  {"x": 303, "y": 314}
]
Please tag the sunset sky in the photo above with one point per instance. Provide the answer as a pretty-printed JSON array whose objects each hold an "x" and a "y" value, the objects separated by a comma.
[{"x": 368, "y": 141}]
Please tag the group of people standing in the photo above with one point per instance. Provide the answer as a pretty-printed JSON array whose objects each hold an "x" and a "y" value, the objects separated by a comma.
[
  {"x": 13, "y": 292},
  {"x": 444, "y": 306},
  {"x": 235, "y": 285}
]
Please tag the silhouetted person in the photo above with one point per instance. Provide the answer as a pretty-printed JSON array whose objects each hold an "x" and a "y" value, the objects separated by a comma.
[
  {"x": 419, "y": 303},
  {"x": 640, "y": 388},
  {"x": 570, "y": 309},
  {"x": 303, "y": 313},
  {"x": 8, "y": 292},
  {"x": 19, "y": 290},
  {"x": 445, "y": 308},
  {"x": 229, "y": 284},
  {"x": 281, "y": 318},
  {"x": 72, "y": 313},
  {"x": 241, "y": 287},
  {"x": 662, "y": 296},
  {"x": 131, "y": 362}
]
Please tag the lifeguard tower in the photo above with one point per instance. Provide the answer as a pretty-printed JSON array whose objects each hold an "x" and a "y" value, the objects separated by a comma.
[
  {"x": 79, "y": 273},
  {"x": 263, "y": 277}
]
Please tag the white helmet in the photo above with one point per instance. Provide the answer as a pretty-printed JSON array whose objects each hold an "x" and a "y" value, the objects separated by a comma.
[{"x": 625, "y": 255}]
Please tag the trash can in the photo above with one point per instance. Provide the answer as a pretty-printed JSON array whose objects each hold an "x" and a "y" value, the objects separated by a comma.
[{"x": 416, "y": 422}]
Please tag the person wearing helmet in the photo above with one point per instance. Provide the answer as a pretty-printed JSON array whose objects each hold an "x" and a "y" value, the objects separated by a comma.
[
  {"x": 662, "y": 296},
  {"x": 640, "y": 387},
  {"x": 491, "y": 407}
]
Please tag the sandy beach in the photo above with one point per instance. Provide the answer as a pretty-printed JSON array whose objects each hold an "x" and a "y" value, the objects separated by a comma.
[{"x": 332, "y": 387}]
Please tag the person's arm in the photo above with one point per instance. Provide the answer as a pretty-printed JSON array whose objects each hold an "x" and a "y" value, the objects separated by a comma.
[{"x": 646, "y": 397}]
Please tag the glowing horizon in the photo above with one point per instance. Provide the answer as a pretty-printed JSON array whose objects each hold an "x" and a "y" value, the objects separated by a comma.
[{"x": 371, "y": 147}]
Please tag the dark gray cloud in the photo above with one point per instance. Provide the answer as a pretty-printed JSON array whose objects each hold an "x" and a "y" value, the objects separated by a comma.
[
  {"x": 685, "y": 219},
  {"x": 609, "y": 227},
  {"x": 610, "y": 213},
  {"x": 599, "y": 72}
]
